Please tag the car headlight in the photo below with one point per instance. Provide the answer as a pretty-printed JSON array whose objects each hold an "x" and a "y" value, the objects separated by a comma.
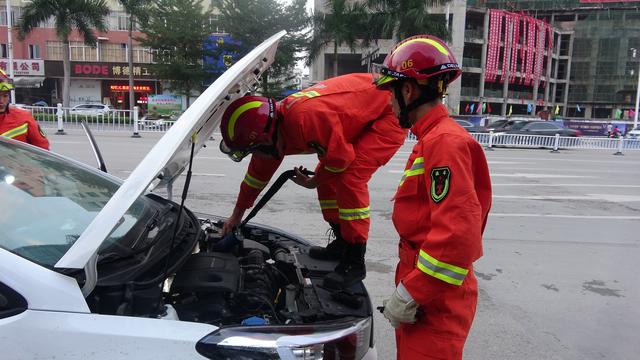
[{"x": 346, "y": 340}]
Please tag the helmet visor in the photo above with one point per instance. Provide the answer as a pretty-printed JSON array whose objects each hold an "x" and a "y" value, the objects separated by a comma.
[
  {"x": 6, "y": 84},
  {"x": 235, "y": 155},
  {"x": 383, "y": 76}
]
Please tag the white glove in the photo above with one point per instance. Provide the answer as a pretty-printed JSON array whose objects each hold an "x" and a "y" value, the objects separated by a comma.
[{"x": 400, "y": 308}]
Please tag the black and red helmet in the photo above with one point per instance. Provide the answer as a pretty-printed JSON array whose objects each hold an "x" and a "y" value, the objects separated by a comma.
[
  {"x": 418, "y": 57},
  {"x": 247, "y": 123}
]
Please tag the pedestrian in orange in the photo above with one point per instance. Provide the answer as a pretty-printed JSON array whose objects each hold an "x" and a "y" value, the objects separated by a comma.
[
  {"x": 16, "y": 123},
  {"x": 440, "y": 209},
  {"x": 349, "y": 124}
]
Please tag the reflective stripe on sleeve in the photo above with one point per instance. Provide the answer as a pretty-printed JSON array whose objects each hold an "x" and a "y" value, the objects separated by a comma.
[
  {"x": 334, "y": 170},
  {"x": 446, "y": 272},
  {"x": 328, "y": 204},
  {"x": 354, "y": 214},
  {"x": 416, "y": 168},
  {"x": 16, "y": 131},
  {"x": 253, "y": 182}
]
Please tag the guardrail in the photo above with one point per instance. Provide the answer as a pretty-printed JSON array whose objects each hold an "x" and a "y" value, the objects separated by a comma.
[
  {"x": 61, "y": 118},
  {"x": 555, "y": 143}
]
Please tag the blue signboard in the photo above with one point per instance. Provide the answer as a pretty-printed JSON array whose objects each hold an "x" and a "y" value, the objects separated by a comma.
[{"x": 222, "y": 52}]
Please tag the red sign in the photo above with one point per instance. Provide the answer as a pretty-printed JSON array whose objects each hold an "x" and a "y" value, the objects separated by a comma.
[
  {"x": 87, "y": 69},
  {"x": 146, "y": 88}
]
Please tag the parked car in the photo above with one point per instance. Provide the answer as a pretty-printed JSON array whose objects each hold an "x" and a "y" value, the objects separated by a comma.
[
  {"x": 471, "y": 127},
  {"x": 91, "y": 109},
  {"x": 633, "y": 134},
  {"x": 41, "y": 103},
  {"x": 92, "y": 266},
  {"x": 493, "y": 126},
  {"x": 541, "y": 127}
]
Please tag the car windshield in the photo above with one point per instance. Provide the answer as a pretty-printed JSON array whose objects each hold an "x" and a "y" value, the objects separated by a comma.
[
  {"x": 519, "y": 125},
  {"x": 57, "y": 200}
]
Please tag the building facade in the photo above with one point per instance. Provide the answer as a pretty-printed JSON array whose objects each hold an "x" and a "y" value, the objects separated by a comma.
[
  {"x": 589, "y": 59},
  {"x": 99, "y": 74}
]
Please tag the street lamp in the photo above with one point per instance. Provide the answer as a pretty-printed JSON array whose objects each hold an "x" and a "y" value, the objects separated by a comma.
[
  {"x": 10, "y": 48},
  {"x": 635, "y": 115}
]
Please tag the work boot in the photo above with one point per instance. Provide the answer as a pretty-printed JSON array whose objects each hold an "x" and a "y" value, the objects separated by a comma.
[
  {"x": 350, "y": 269},
  {"x": 334, "y": 250}
]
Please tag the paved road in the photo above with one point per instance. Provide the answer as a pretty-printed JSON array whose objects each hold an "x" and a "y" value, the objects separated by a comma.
[{"x": 557, "y": 278}]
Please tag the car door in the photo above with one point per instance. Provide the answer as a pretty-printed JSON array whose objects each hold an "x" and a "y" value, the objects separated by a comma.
[{"x": 543, "y": 128}]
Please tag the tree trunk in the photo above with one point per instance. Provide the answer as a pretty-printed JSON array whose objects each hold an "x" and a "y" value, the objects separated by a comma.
[
  {"x": 132, "y": 97},
  {"x": 335, "y": 58},
  {"x": 66, "y": 62}
]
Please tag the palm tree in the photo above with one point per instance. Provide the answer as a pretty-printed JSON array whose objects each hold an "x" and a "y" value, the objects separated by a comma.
[
  {"x": 345, "y": 23},
  {"x": 399, "y": 19},
  {"x": 81, "y": 15},
  {"x": 136, "y": 11}
]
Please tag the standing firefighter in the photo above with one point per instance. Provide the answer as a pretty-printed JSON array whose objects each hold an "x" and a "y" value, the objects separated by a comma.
[
  {"x": 16, "y": 123},
  {"x": 440, "y": 208},
  {"x": 351, "y": 127}
]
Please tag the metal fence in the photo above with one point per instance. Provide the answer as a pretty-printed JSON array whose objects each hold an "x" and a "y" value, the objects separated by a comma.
[
  {"x": 126, "y": 120},
  {"x": 98, "y": 119},
  {"x": 557, "y": 142}
]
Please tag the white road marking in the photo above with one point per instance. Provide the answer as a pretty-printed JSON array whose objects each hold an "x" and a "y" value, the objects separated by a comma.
[
  {"x": 587, "y": 197},
  {"x": 539, "y": 176},
  {"x": 212, "y": 158},
  {"x": 185, "y": 174},
  {"x": 569, "y": 185},
  {"x": 560, "y": 159},
  {"x": 590, "y": 217}
]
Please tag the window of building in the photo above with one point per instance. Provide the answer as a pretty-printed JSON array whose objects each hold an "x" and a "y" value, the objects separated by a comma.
[
  {"x": 4, "y": 51},
  {"x": 580, "y": 70},
  {"x": 34, "y": 51},
  {"x": 582, "y": 47},
  {"x": 608, "y": 48}
]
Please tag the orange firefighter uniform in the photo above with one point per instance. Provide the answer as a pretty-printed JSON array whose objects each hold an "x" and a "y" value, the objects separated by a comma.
[
  {"x": 18, "y": 124},
  {"x": 440, "y": 212},
  {"x": 351, "y": 127}
]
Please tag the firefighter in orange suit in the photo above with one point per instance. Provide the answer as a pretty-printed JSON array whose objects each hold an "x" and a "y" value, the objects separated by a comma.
[
  {"x": 440, "y": 206},
  {"x": 351, "y": 127},
  {"x": 16, "y": 123}
]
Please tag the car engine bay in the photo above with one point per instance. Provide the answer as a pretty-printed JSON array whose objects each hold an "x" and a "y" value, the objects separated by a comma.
[{"x": 257, "y": 276}]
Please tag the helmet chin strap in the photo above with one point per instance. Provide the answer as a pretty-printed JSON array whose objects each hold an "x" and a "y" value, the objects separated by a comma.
[{"x": 427, "y": 94}]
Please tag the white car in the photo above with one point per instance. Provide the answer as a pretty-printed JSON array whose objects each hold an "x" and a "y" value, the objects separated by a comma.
[
  {"x": 633, "y": 134},
  {"x": 91, "y": 109},
  {"x": 93, "y": 267}
]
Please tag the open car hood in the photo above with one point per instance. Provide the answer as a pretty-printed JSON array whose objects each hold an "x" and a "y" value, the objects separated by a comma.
[{"x": 169, "y": 157}]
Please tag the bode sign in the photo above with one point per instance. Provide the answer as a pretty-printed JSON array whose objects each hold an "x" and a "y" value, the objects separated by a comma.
[{"x": 99, "y": 70}]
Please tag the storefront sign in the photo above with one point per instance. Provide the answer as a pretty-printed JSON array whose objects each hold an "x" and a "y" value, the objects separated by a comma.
[
  {"x": 139, "y": 88},
  {"x": 164, "y": 105},
  {"x": 24, "y": 67},
  {"x": 100, "y": 70}
]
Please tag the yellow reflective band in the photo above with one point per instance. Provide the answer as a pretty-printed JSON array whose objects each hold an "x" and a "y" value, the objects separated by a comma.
[
  {"x": 253, "y": 182},
  {"x": 334, "y": 170},
  {"x": 231, "y": 128},
  {"x": 328, "y": 204},
  {"x": 384, "y": 79},
  {"x": 16, "y": 131},
  {"x": 354, "y": 214},
  {"x": 308, "y": 94},
  {"x": 431, "y": 42},
  {"x": 446, "y": 272},
  {"x": 416, "y": 168}
]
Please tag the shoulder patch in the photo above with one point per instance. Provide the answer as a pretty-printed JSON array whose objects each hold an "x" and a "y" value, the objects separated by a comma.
[{"x": 440, "y": 183}]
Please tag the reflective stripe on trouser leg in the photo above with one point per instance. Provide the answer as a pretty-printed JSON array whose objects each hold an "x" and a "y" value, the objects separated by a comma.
[{"x": 328, "y": 201}]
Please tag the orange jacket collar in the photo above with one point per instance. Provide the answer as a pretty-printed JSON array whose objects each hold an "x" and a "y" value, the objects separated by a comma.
[{"x": 422, "y": 126}]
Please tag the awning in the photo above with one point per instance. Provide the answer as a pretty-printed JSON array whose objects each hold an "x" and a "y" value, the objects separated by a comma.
[{"x": 28, "y": 81}]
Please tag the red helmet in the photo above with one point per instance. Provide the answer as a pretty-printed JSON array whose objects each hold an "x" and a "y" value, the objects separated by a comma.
[
  {"x": 247, "y": 123},
  {"x": 6, "y": 84},
  {"x": 418, "y": 57}
]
